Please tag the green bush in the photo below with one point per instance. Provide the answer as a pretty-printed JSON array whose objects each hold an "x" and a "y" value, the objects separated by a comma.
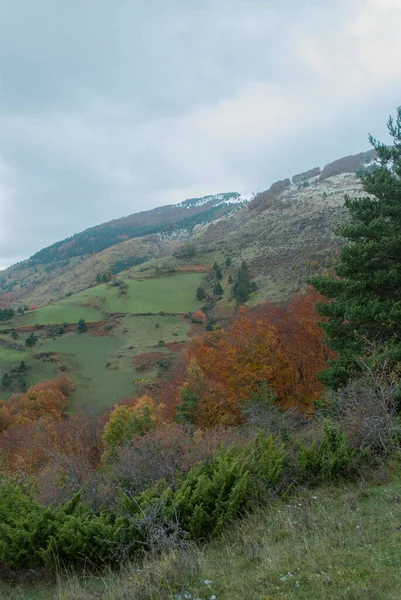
[
  {"x": 331, "y": 456},
  {"x": 202, "y": 503},
  {"x": 215, "y": 492}
]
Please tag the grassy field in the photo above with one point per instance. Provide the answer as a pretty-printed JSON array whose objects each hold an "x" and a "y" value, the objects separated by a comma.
[
  {"x": 65, "y": 311},
  {"x": 337, "y": 542},
  {"x": 174, "y": 293},
  {"x": 102, "y": 367},
  {"x": 37, "y": 370}
]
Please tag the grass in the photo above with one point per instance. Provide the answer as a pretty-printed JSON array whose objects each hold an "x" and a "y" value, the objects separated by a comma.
[
  {"x": 65, "y": 311},
  {"x": 336, "y": 542},
  {"x": 87, "y": 357},
  {"x": 103, "y": 367},
  {"x": 174, "y": 293},
  {"x": 37, "y": 370}
]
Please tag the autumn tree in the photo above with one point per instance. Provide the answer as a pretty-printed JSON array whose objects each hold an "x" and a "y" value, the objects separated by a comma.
[
  {"x": 189, "y": 394},
  {"x": 127, "y": 421},
  {"x": 279, "y": 345}
]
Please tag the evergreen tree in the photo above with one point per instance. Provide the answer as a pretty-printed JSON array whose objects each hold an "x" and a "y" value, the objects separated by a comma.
[
  {"x": 217, "y": 271},
  {"x": 31, "y": 340},
  {"x": 218, "y": 290},
  {"x": 82, "y": 326},
  {"x": 243, "y": 285},
  {"x": 6, "y": 380},
  {"x": 200, "y": 293},
  {"x": 228, "y": 261},
  {"x": 366, "y": 296}
]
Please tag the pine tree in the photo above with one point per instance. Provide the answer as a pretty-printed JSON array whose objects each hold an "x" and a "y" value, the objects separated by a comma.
[
  {"x": 365, "y": 296},
  {"x": 82, "y": 326},
  {"x": 200, "y": 293},
  {"x": 243, "y": 285},
  {"x": 217, "y": 271},
  {"x": 218, "y": 290},
  {"x": 31, "y": 340}
]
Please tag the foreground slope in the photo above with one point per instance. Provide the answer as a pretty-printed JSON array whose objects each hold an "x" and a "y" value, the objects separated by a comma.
[{"x": 328, "y": 543}]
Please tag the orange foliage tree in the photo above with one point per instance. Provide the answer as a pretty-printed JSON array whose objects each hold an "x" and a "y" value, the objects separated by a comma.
[
  {"x": 45, "y": 400},
  {"x": 279, "y": 344}
]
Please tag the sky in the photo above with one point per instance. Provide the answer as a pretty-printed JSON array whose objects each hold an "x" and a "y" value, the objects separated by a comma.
[{"x": 112, "y": 107}]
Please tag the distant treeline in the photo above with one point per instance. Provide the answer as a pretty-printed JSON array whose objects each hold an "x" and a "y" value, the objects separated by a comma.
[{"x": 95, "y": 240}]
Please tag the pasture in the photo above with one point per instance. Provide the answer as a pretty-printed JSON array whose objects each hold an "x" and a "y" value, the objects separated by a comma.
[
  {"x": 103, "y": 367},
  {"x": 174, "y": 293},
  {"x": 65, "y": 311}
]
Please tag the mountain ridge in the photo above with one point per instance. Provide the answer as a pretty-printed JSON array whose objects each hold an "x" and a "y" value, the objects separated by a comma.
[{"x": 208, "y": 222}]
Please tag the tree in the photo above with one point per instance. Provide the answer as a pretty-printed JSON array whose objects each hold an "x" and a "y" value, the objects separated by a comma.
[
  {"x": 230, "y": 279},
  {"x": 217, "y": 290},
  {"x": 128, "y": 421},
  {"x": 200, "y": 293},
  {"x": 82, "y": 326},
  {"x": 217, "y": 272},
  {"x": 31, "y": 340},
  {"x": 365, "y": 293},
  {"x": 22, "y": 366},
  {"x": 6, "y": 380},
  {"x": 243, "y": 286},
  {"x": 189, "y": 393},
  {"x": 6, "y": 314},
  {"x": 281, "y": 345},
  {"x": 186, "y": 250},
  {"x": 228, "y": 261}
]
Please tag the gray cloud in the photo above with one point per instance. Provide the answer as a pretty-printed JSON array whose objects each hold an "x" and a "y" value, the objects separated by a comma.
[{"x": 107, "y": 108}]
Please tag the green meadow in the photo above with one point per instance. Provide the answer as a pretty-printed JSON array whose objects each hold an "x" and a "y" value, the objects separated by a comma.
[
  {"x": 174, "y": 293},
  {"x": 38, "y": 370},
  {"x": 65, "y": 311},
  {"x": 103, "y": 367}
]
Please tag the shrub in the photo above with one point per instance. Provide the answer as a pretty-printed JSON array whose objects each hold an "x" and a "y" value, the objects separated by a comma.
[
  {"x": 82, "y": 326},
  {"x": 31, "y": 340},
  {"x": 331, "y": 456},
  {"x": 215, "y": 492},
  {"x": 366, "y": 409}
]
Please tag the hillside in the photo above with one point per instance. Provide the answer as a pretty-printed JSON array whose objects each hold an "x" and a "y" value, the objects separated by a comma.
[
  {"x": 304, "y": 210},
  {"x": 331, "y": 542},
  {"x": 140, "y": 310},
  {"x": 116, "y": 245}
]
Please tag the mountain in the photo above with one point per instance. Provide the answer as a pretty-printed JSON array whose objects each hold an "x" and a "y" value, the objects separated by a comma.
[
  {"x": 116, "y": 245},
  {"x": 283, "y": 233},
  {"x": 139, "y": 294}
]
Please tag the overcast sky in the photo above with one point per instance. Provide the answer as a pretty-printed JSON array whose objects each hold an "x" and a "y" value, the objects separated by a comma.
[{"x": 108, "y": 107}]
